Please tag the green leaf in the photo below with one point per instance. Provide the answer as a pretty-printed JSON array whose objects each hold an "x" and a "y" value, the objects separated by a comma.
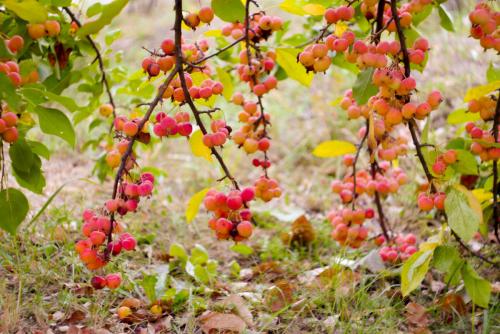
[
  {"x": 445, "y": 19},
  {"x": 108, "y": 13},
  {"x": 477, "y": 287},
  {"x": 414, "y": 270},
  {"x": 242, "y": 249},
  {"x": 8, "y": 92},
  {"x": 287, "y": 59},
  {"x": 94, "y": 9},
  {"x": 493, "y": 73},
  {"x": 14, "y": 207},
  {"x": 333, "y": 148},
  {"x": 364, "y": 88},
  {"x": 235, "y": 268},
  {"x": 29, "y": 10},
  {"x": 445, "y": 257},
  {"x": 201, "y": 274},
  {"x": 466, "y": 163},
  {"x": 55, "y": 122},
  {"x": 33, "y": 179},
  {"x": 462, "y": 116},
  {"x": 178, "y": 251},
  {"x": 39, "y": 149},
  {"x": 227, "y": 82},
  {"x": 418, "y": 17},
  {"x": 229, "y": 10},
  {"x": 21, "y": 156},
  {"x": 148, "y": 283},
  {"x": 199, "y": 255},
  {"x": 340, "y": 61},
  {"x": 463, "y": 220}
]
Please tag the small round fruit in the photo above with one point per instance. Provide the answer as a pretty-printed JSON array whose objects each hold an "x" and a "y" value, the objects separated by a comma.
[
  {"x": 52, "y": 27},
  {"x": 106, "y": 109},
  {"x": 244, "y": 229},
  {"x": 15, "y": 44},
  {"x": 113, "y": 281},
  {"x": 36, "y": 30},
  {"x": 206, "y": 14},
  {"x": 10, "y": 135},
  {"x": 98, "y": 282},
  {"x": 124, "y": 312}
]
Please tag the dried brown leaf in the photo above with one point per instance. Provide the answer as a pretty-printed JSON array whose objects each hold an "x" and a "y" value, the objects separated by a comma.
[
  {"x": 279, "y": 296},
  {"x": 215, "y": 322},
  {"x": 240, "y": 308},
  {"x": 302, "y": 233},
  {"x": 417, "y": 318},
  {"x": 76, "y": 316}
]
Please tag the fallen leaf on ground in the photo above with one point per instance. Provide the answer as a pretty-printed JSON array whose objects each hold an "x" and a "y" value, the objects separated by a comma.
[
  {"x": 240, "y": 308},
  {"x": 279, "y": 296},
  {"x": 215, "y": 322},
  {"x": 302, "y": 233},
  {"x": 271, "y": 268},
  {"x": 76, "y": 316},
  {"x": 417, "y": 318},
  {"x": 343, "y": 280}
]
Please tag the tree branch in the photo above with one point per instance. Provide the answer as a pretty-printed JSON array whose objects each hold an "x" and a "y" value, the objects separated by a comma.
[
  {"x": 495, "y": 171},
  {"x": 179, "y": 65}
]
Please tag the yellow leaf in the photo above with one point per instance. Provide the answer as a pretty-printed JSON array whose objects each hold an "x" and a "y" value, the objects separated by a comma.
[
  {"x": 213, "y": 33},
  {"x": 194, "y": 203},
  {"x": 482, "y": 195},
  {"x": 291, "y": 6},
  {"x": 199, "y": 149},
  {"x": 395, "y": 163},
  {"x": 287, "y": 58},
  {"x": 479, "y": 91},
  {"x": 340, "y": 28},
  {"x": 336, "y": 102},
  {"x": 333, "y": 148},
  {"x": 314, "y": 9}
]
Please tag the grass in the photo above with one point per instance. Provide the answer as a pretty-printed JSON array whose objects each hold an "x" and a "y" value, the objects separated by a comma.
[{"x": 40, "y": 275}]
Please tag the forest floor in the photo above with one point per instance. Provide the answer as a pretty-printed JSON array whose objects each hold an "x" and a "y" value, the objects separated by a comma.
[{"x": 272, "y": 286}]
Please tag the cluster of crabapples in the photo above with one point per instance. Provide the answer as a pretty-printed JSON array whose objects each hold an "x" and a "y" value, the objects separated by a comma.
[
  {"x": 206, "y": 90},
  {"x": 157, "y": 63},
  {"x": 386, "y": 181},
  {"x": 427, "y": 202},
  {"x": 126, "y": 129},
  {"x": 485, "y": 106},
  {"x": 169, "y": 126},
  {"x": 369, "y": 10},
  {"x": 256, "y": 72},
  {"x": 11, "y": 69},
  {"x": 50, "y": 28},
  {"x": 95, "y": 250},
  {"x": 261, "y": 26},
  {"x": 231, "y": 214},
  {"x": 348, "y": 229},
  {"x": 404, "y": 247},
  {"x": 483, "y": 144},
  {"x": 266, "y": 188},
  {"x": 315, "y": 57},
  {"x": 219, "y": 135},
  {"x": 204, "y": 15},
  {"x": 8, "y": 122},
  {"x": 131, "y": 192},
  {"x": 443, "y": 161},
  {"x": 250, "y": 136},
  {"x": 485, "y": 21}
]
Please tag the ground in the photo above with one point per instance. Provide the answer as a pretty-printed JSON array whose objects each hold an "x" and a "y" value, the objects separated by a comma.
[{"x": 315, "y": 287}]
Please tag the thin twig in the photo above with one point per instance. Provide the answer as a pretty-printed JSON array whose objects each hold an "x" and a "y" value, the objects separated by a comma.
[{"x": 104, "y": 78}]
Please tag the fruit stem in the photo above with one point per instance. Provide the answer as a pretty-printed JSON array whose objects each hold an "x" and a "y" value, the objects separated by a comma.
[{"x": 180, "y": 67}]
